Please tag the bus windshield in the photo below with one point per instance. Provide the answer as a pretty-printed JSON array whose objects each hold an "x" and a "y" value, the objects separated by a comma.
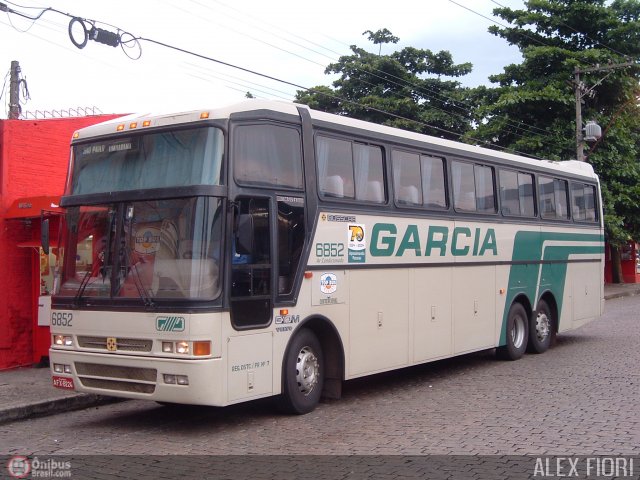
[
  {"x": 148, "y": 250},
  {"x": 175, "y": 158}
]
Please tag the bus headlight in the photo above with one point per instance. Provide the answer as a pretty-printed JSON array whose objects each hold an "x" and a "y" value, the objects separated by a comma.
[
  {"x": 63, "y": 340},
  {"x": 61, "y": 368},
  {"x": 182, "y": 347},
  {"x": 198, "y": 348},
  {"x": 171, "y": 379}
]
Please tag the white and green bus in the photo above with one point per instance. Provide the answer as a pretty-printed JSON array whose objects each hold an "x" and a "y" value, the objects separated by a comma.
[{"x": 267, "y": 249}]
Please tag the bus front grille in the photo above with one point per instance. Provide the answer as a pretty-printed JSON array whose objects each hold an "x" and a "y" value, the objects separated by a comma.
[
  {"x": 122, "y": 344},
  {"x": 119, "y": 386},
  {"x": 114, "y": 377}
]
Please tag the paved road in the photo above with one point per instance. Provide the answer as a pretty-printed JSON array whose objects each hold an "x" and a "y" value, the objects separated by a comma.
[{"x": 579, "y": 398}]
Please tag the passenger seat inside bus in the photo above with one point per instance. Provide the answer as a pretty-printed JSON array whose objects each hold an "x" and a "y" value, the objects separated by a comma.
[
  {"x": 375, "y": 192},
  {"x": 181, "y": 272},
  {"x": 334, "y": 186},
  {"x": 409, "y": 195}
]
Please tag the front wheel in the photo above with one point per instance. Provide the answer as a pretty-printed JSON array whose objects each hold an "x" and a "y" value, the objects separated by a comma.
[
  {"x": 517, "y": 334},
  {"x": 541, "y": 330},
  {"x": 303, "y": 374}
]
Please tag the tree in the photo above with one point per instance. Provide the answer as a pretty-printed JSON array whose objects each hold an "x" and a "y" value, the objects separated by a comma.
[
  {"x": 403, "y": 89},
  {"x": 532, "y": 109}
]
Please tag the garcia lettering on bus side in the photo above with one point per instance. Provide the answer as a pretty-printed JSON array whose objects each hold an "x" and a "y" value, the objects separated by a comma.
[{"x": 435, "y": 240}]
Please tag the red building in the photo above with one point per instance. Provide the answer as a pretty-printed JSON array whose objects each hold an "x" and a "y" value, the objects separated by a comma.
[{"x": 34, "y": 156}]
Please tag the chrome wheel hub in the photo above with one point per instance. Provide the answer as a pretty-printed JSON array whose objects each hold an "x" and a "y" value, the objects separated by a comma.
[
  {"x": 307, "y": 370},
  {"x": 517, "y": 332},
  {"x": 542, "y": 326}
]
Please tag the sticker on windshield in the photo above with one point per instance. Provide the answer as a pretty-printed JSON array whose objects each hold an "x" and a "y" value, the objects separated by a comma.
[{"x": 147, "y": 240}]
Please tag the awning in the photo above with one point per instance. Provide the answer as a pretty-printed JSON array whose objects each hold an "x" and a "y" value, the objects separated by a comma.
[{"x": 32, "y": 207}]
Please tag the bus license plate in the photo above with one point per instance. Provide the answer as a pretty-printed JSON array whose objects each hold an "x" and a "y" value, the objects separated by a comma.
[{"x": 63, "y": 382}]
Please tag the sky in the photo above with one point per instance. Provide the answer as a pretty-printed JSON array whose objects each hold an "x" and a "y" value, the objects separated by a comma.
[{"x": 285, "y": 39}]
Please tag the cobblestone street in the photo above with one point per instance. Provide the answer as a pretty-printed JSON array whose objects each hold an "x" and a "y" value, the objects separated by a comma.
[{"x": 579, "y": 398}]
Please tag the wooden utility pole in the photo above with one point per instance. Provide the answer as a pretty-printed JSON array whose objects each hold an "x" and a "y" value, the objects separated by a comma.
[
  {"x": 580, "y": 93},
  {"x": 14, "y": 91},
  {"x": 579, "y": 142}
]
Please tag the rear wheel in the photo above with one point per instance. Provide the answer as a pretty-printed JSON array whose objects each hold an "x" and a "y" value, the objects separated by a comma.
[
  {"x": 517, "y": 334},
  {"x": 303, "y": 374},
  {"x": 541, "y": 330}
]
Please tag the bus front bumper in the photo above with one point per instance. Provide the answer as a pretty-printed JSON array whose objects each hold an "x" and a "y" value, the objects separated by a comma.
[{"x": 196, "y": 382}]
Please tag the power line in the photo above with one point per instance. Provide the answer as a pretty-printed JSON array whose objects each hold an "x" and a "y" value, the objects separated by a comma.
[
  {"x": 4, "y": 85},
  {"x": 458, "y": 105},
  {"x": 253, "y": 72},
  {"x": 578, "y": 32},
  {"x": 336, "y": 97},
  {"x": 497, "y": 23}
]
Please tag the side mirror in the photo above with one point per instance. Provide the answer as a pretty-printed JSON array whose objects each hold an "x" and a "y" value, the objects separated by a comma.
[
  {"x": 44, "y": 235},
  {"x": 245, "y": 234}
]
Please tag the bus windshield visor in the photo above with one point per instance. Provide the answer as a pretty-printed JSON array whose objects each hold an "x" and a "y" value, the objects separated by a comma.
[
  {"x": 155, "y": 160},
  {"x": 148, "y": 250}
]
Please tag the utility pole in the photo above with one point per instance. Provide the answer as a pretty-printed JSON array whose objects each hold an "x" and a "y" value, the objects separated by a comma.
[
  {"x": 14, "y": 91},
  {"x": 579, "y": 142},
  {"x": 581, "y": 92}
]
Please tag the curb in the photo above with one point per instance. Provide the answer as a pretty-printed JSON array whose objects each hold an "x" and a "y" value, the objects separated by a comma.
[
  {"x": 52, "y": 407},
  {"x": 629, "y": 293}
]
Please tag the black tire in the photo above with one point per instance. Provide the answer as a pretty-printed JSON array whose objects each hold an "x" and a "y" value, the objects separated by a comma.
[
  {"x": 517, "y": 334},
  {"x": 302, "y": 374},
  {"x": 541, "y": 329}
]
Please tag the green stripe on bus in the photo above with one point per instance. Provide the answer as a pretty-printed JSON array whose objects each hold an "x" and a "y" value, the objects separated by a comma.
[{"x": 526, "y": 278}]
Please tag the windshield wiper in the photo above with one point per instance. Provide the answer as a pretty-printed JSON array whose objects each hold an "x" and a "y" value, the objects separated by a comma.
[
  {"x": 107, "y": 253},
  {"x": 132, "y": 267},
  {"x": 83, "y": 284},
  {"x": 142, "y": 292}
]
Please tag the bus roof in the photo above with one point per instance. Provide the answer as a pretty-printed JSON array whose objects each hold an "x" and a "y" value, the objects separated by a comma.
[{"x": 141, "y": 121}]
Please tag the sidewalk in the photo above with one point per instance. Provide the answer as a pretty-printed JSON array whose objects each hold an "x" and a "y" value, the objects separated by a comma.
[{"x": 28, "y": 392}]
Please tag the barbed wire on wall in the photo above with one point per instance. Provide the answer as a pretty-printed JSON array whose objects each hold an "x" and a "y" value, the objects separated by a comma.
[{"x": 62, "y": 113}]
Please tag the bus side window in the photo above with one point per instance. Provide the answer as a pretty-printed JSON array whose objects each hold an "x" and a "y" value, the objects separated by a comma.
[
  {"x": 433, "y": 182},
  {"x": 485, "y": 193},
  {"x": 406, "y": 178},
  {"x": 509, "y": 198},
  {"x": 335, "y": 167},
  {"x": 561, "y": 189},
  {"x": 583, "y": 202},
  {"x": 268, "y": 155},
  {"x": 590, "y": 203},
  {"x": 516, "y": 193},
  {"x": 369, "y": 176},
  {"x": 464, "y": 189},
  {"x": 547, "y": 197},
  {"x": 577, "y": 202}
]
